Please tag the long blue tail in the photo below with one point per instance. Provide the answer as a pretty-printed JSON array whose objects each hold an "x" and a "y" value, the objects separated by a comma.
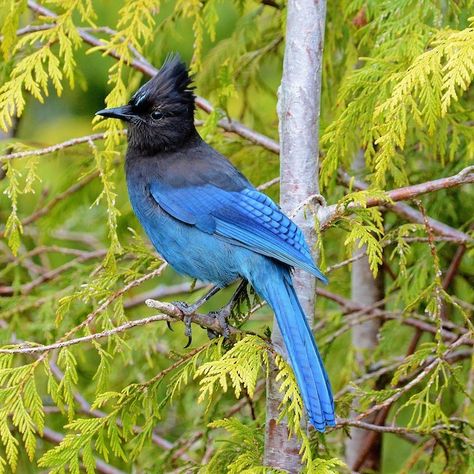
[{"x": 277, "y": 289}]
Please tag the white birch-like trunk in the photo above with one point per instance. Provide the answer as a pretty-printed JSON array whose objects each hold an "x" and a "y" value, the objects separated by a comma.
[
  {"x": 298, "y": 110},
  {"x": 365, "y": 290}
]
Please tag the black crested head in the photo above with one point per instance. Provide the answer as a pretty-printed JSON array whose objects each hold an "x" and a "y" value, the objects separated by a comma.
[
  {"x": 160, "y": 114},
  {"x": 169, "y": 89}
]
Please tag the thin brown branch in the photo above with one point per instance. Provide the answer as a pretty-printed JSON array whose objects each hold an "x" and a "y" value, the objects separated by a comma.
[
  {"x": 206, "y": 321},
  {"x": 373, "y": 372},
  {"x": 56, "y": 147},
  {"x": 272, "y": 3},
  {"x": 90, "y": 337},
  {"x": 454, "y": 266},
  {"x": 374, "y": 427},
  {"x": 169, "y": 312},
  {"x": 101, "y": 308},
  {"x": 451, "y": 273},
  {"x": 464, "y": 176},
  {"x": 48, "y": 249},
  {"x": 359, "y": 313},
  {"x": 410, "y": 214},
  {"x": 57, "y": 199},
  {"x": 163, "y": 292},
  {"x": 51, "y": 274},
  {"x": 268, "y": 184},
  {"x": 416, "y": 380},
  {"x": 32, "y": 29}
]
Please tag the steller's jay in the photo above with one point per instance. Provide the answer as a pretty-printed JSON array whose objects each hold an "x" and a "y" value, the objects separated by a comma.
[{"x": 206, "y": 219}]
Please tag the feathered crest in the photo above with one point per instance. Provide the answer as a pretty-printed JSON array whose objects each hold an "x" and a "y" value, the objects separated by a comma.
[{"x": 170, "y": 85}]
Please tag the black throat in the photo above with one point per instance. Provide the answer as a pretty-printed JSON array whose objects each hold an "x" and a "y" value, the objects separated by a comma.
[{"x": 146, "y": 142}]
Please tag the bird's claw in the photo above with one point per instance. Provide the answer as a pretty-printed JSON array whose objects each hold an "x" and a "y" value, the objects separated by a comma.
[
  {"x": 188, "y": 311},
  {"x": 169, "y": 326},
  {"x": 184, "y": 307},
  {"x": 188, "y": 330},
  {"x": 221, "y": 317}
]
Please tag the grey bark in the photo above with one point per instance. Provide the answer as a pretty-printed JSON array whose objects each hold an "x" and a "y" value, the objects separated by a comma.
[
  {"x": 365, "y": 290},
  {"x": 298, "y": 110}
]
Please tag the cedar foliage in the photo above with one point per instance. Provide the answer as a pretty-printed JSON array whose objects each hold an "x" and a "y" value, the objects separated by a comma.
[{"x": 397, "y": 84}]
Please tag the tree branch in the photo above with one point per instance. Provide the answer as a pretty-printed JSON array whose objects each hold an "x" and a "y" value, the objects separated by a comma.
[
  {"x": 464, "y": 176},
  {"x": 423, "y": 373},
  {"x": 357, "y": 310},
  {"x": 206, "y": 321},
  {"x": 407, "y": 212},
  {"x": 51, "y": 274},
  {"x": 169, "y": 312},
  {"x": 56, "y": 147},
  {"x": 90, "y": 337}
]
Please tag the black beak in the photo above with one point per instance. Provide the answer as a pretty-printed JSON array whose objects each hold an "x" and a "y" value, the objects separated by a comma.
[{"x": 123, "y": 113}]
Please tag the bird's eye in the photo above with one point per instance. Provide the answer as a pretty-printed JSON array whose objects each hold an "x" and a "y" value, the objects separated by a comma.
[{"x": 155, "y": 115}]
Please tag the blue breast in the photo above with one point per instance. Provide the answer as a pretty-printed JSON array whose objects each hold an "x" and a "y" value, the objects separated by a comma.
[{"x": 187, "y": 249}]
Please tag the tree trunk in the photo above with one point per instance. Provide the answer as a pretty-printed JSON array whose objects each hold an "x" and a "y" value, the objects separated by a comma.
[
  {"x": 298, "y": 110},
  {"x": 366, "y": 290}
]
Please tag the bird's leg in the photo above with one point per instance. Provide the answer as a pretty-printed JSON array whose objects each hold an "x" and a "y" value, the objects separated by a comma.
[
  {"x": 223, "y": 314},
  {"x": 189, "y": 310}
]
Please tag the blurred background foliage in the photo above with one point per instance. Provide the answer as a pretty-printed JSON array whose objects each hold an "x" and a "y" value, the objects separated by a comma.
[{"x": 395, "y": 84}]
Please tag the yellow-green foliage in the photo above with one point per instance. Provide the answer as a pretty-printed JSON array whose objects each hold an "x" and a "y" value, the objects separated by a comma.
[
  {"x": 241, "y": 365},
  {"x": 414, "y": 81},
  {"x": 396, "y": 85}
]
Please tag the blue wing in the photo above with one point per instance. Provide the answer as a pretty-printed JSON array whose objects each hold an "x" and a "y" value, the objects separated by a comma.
[{"x": 247, "y": 218}]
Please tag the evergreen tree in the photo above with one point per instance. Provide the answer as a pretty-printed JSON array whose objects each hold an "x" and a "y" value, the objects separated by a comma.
[{"x": 90, "y": 377}]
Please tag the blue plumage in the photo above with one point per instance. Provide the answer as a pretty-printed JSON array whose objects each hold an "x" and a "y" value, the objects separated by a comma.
[{"x": 206, "y": 219}]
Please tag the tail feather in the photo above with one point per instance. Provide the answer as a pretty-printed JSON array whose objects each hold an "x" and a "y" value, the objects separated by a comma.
[{"x": 304, "y": 356}]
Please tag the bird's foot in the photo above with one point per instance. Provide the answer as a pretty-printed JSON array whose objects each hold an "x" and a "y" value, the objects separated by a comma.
[
  {"x": 221, "y": 316},
  {"x": 188, "y": 311},
  {"x": 188, "y": 332},
  {"x": 185, "y": 308}
]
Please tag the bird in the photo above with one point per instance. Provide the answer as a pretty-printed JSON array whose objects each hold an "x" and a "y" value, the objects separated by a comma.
[{"x": 208, "y": 221}]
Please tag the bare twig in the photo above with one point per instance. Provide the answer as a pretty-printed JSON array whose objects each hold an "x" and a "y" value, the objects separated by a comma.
[
  {"x": 331, "y": 213},
  {"x": 268, "y": 184},
  {"x": 163, "y": 292},
  {"x": 56, "y": 147},
  {"x": 464, "y": 176},
  {"x": 359, "y": 311},
  {"x": 454, "y": 266},
  {"x": 51, "y": 274},
  {"x": 90, "y": 337},
  {"x": 206, "y": 321},
  {"x": 91, "y": 316}
]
